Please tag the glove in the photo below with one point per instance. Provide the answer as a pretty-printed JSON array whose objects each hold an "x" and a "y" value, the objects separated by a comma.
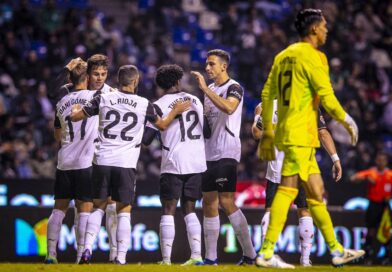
[
  {"x": 266, "y": 147},
  {"x": 351, "y": 128}
]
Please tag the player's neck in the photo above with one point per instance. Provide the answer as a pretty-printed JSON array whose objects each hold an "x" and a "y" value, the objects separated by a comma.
[
  {"x": 81, "y": 86},
  {"x": 173, "y": 89},
  {"x": 222, "y": 78},
  {"x": 311, "y": 40},
  {"x": 128, "y": 89}
]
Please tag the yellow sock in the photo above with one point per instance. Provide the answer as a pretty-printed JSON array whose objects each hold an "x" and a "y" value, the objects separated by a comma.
[
  {"x": 323, "y": 221},
  {"x": 278, "y": 216}
]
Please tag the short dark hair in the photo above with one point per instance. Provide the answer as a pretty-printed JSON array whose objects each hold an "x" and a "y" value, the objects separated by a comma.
[
  {"x": 224, "y": 55},
  {"x": 96, "y": 61},
  {"x": 79, "y": 73},
  {"x": 126, "y": 74},
  {"x": 168, "y": 75},
  {"x": 305, "y": 19}
]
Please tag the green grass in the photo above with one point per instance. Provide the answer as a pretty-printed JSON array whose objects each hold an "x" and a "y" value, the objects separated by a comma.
[{"x": 17, "y": 267}]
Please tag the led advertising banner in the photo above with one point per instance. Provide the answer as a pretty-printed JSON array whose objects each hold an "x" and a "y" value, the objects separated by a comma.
[{"x": 23, "y": 236}]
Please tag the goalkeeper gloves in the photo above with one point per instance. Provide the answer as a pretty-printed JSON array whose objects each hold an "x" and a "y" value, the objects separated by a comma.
[
  {"x": 352, "y": 128},
  {"x": 266, "y": 147}
]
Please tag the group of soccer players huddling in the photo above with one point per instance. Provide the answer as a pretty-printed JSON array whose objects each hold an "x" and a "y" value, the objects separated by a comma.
[{"x": 101, "y": 130}]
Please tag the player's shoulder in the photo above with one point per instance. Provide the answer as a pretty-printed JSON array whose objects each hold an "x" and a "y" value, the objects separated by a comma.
[
  {"x": 65, "y": 98},
  {"x": 140, "y": 99}
]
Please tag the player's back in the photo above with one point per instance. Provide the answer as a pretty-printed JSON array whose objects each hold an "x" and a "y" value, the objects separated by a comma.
[
  {"x": 121, "y": 124},
  {"x": 183, "y": 149},
  {"x": 297, "y": 94},
  {"x": 77, "y": 138}
]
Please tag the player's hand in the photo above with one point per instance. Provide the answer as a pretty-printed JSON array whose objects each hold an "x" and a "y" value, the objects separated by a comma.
[
  {"x": 200, "y": 80},
  {"x": 73, "y": 63},
  {"x": 352, "y": 128},
  {"x": 266, "y": 147},
  {"x": 75, "y": 108},
  {"x": 258, "y": 109},
  {"x": 337, "y": 171},
  {"x": 180, "y": 107}
]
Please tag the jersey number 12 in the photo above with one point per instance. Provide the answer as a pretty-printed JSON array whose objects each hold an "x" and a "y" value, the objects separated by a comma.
[{"x": 287, "y": 76}]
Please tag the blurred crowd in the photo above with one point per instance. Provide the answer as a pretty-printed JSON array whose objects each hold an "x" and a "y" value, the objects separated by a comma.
[{"x": 39, "y": 37}]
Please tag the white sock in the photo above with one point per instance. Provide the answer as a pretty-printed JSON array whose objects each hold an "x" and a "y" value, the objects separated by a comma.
[
  {"x": 264, "y": 225},
  {"x": 306, "y": 233},
  {"x": 81, "y": 230},
  {"x": 123, "y": 236},
  {"x": 240, "y": 226},
  {"x": 193, "y": 229},
  {"x": 76, "y": 220},
  {"x": 111, "y": 228},
  {"x": 166, "y": 234},
  {"x": 211, "y": 226},
  {"x": 53, "y": 231},
  {"x": 93, "y": 226}
]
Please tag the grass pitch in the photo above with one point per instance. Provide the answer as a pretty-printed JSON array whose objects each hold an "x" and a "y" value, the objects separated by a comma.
[{"x": 33, "y": 267}]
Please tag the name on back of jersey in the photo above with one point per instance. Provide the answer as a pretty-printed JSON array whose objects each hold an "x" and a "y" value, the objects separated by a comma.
[
  {"x": 182, "y": 99},
  {"x": 71, "y": 102},
  {"x": 123, "y": 100}
]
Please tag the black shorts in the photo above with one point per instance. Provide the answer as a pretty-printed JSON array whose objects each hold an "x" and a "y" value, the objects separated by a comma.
[
  {"x": 270, "y": 193},
  {"x": 173, "y": 186},
  {"x": 220, "y": 176},
  {"x": 117, "y": 182},
  {"x": 374, "y": 214},
  {"x": 74, "y": 184}
]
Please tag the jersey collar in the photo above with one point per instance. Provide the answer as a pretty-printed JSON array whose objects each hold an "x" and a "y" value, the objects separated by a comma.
[
  {"x": 224, "y": 83},
  {"x": 121, "y": 91}
]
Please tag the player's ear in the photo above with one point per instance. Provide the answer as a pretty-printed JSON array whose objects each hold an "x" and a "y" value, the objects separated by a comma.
[
  {"x": 224, "y": 66},
  {"x": 314, "y": 29}
]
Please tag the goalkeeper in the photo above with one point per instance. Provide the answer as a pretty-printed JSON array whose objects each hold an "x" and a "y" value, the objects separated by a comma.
[{"x": 299, "y": 80}]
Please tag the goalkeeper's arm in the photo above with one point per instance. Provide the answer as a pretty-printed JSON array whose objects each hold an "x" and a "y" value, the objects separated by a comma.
[
  {"x": 333, "y": 107},
  {"x": 320, "y": 81}
]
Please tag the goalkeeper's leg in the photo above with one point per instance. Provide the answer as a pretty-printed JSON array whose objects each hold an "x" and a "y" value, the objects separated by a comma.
[{"x": 314, "y": 190}]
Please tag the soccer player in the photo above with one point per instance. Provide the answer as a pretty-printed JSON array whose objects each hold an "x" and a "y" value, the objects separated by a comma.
[
  {"x": 223, "y": 108},
  {"x": 122, "y": 115},
  {"x": 97, "y": 69},
  {"x": 299, "y": 80},
  {"x": 183, "y": 162},
  {"x": 74, "y": 168},
  {"x": 273, "y": 176}
]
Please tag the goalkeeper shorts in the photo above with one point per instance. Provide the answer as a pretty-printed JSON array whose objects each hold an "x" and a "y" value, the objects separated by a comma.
[{"x": 299, "y": 160}]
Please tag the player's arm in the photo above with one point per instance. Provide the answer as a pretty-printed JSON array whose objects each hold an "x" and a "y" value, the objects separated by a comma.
[
  {"x": 206, "y": 128},
  {"x": 266, "y": 148},
  {"x": 319, "y": 79},
  {"x": 149, "y": 135},
  {"x": 150, "y": 131},
  {"x": 329, "y": 145},
  {"x": 257, "y": 126},
  {"x": 364, "y": 175},
  {"x": 229, "y": 104},
  {"x": 92, "y": 108},
  {"x": 163, "y": 123},
  {"x": 56, "y": 85},
  {"x": 57, "y": 128}
]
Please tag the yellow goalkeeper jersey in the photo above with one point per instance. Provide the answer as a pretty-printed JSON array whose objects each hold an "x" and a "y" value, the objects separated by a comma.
[{"x": 299, "y": 79}]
